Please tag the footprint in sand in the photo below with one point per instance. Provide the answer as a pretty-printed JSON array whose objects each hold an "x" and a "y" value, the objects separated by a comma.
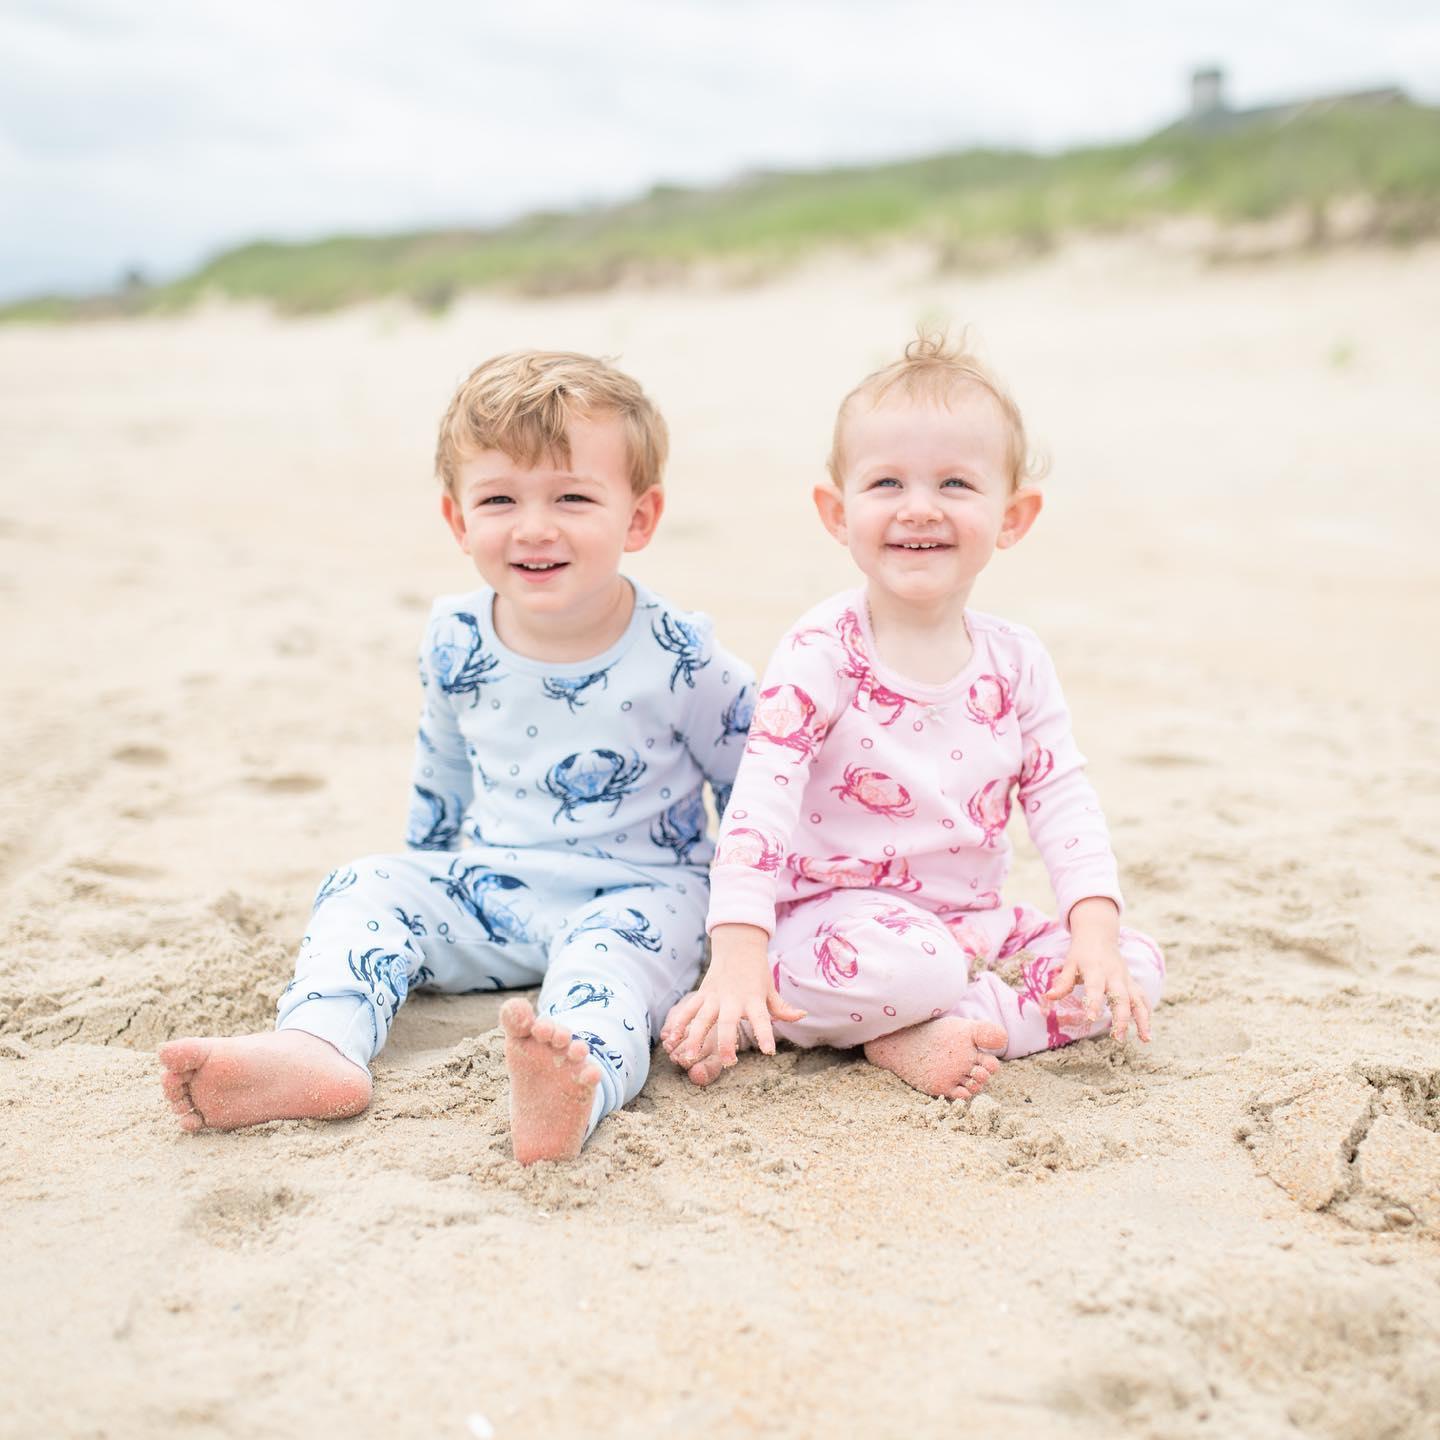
[
  {"x": 1364, "y": 1147},
  {"x": 236, "y": 1216},
  {"x": 285, "y": 784},
  {"x": 150, "y": 755}
]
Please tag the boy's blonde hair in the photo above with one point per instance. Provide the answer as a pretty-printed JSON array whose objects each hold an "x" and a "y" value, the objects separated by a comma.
[
  {"x": 931, "y": 369},
  {"x": 520, "y": 403}
]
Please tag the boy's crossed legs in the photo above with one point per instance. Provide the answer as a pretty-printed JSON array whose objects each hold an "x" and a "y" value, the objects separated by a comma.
[{"x": 387, "y": 923}]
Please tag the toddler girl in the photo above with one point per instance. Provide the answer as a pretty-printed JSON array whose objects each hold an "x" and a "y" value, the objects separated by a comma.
[{"x": 856, "y": 885}]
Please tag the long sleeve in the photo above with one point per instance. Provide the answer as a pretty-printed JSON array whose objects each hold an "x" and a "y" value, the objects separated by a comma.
[
  {"x": 442, "y": 778},
  {"x": 798, "y": 700},
  {"x": 1061, "y": 808},
  {"x": 720, "y": 710}
]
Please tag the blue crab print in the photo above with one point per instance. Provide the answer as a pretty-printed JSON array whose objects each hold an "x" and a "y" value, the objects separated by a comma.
[
  {"x": 423, "y": 976},
  {"x": 434, "y": 820},
  {"x": 334, "y": 884},
  {"x": 683, "y": 642},
  {"x": 413, "y": 923},
  {"x": 680, "y": 828},
  {"x": 722, "y": 798},
  {"x": 460, "y": 664},
  {"x": 584, "y": 993},
  {"x": 600, "y": 1051},
  {"x": 480, "y": 892},
  {"x": 735, "y": 719},
  {"x": 570, "y": 690},
  {"x": 592, "y": 777},
  {"x": 382, "y": 972},
  {"x": 629, "y": 924}
]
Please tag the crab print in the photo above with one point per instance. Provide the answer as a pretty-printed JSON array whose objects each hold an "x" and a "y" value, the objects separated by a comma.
[
  {"x": 990, "y": 701},
  {"x": 836, "y": 959},
  {"x": 584, "y": 993},
  {"x": 684, "y": 643},
  {"x": 629, "y": 924},
  {"x": 335, "y": 883},
  {"x": 434, "y": 821},
  {"x": 592, "y": 777},
  {"x": 784, "y": 715},
  {"x": 743, "y": 846},
  {"x": 571, "y": 690},
  {"x": 680, "y": 828},
  {"x": 1065, "y": 1019},
  {"x": 857, "y": 667},
  {"x": 384, "y": 974},
  {"x": 489, "y": 897},
  {"x": 735, "y": 718},
  {"x": 989, "y": 809},
  {"x": 1037, "y": 765},
  {"x": 845, "y": 872},
  {"x": 899, "y": 921},
  {"x": 600, "y": 1049},
  {"x": 460, "y": 664},
  {"x": 413, "y": 923},
  {"x": 876, "y": 792}
]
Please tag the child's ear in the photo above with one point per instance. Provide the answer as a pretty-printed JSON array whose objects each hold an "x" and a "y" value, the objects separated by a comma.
[
  {"x": 1020, "y": 514},
  {"x": 454, "y": 518},
  {"x": 644, "y": 518},
  {"x": 831, "y": 505}
]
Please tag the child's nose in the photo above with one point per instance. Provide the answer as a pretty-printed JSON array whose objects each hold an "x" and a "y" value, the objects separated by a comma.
[
  {"x": 535, "y": 524},
  {"x": 919, "y": 505}
]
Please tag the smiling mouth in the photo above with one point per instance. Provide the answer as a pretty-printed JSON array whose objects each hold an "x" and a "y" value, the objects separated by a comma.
[
  {"x": 914, "y": 545},
  {"x": 538, "y": 567}
]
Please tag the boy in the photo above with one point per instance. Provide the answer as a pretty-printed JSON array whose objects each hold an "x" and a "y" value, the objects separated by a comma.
[{"x": 557, "y": 831}]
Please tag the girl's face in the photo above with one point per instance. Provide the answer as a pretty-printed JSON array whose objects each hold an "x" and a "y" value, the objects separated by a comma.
[{"x": 925, "y": 498}]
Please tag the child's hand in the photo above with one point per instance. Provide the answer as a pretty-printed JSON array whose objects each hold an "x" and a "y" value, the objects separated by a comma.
[
  {"x": 736, "y": 988},
  {"x": 1096, "y": 960}
]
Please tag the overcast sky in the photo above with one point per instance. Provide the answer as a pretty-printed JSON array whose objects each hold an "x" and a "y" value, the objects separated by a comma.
[{"x": 153, "y": 132}]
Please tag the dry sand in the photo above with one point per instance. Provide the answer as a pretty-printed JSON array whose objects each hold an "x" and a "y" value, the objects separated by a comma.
[{"x": 219, "y": 536}]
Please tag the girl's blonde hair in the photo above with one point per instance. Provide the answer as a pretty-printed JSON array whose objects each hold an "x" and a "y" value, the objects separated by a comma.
[{"x": 931, "y": 369}]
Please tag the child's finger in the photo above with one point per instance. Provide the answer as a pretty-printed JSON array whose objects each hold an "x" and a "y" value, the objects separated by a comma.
[
  {"x": 783, "y": 1009},
  {"x": 678, "y": 1020},
  {"x": 689, "y": 1046},
  {"x": 759, "y": 1018},
  {"x": 727, "y": 1034},
  {"x": 1141, "y": 1007},
  {"x": 1064, "y": 982},
  {"x": 1119, "y": 1013}
]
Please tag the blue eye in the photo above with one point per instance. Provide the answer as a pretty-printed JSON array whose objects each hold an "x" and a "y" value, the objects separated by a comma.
[
  {"x": 495, "y": 500},
  {"x": 956, "y": 480},
  {"x": 885, "y": 480},
  {"x": 575, "y": 499}
]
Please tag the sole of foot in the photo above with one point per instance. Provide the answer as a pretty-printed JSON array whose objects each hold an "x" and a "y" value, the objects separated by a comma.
[
  {"x": 226, "y": 1084},
  {"x": 552, "y": 1085},
  {"x": 944, "y": 1057}
]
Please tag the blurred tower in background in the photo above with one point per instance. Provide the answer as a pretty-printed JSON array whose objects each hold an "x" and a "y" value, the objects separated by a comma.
[{"x": 1207, "y": 93}]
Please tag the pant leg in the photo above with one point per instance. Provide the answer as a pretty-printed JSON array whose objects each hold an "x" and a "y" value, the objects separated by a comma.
[
  {"x": 617, "y": 964},
  {"x": 386, "y": 923},
  {"x": 1011, "y": 991},
  {"x": 862, "y": 964}
]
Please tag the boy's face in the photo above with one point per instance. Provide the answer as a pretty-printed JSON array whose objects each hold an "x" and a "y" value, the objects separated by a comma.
[
  {"x": 925, "y": 499},
  {"x": 547, "y": 539}
]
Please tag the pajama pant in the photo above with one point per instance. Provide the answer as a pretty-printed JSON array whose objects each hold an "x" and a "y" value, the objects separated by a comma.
[
  {"x": 611, "y": 947},
  {"x": 865, "y": 963}
]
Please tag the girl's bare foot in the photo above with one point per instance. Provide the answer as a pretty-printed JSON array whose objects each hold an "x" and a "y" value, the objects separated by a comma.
[
  {"x": 552, "y": 1085},
  {"x": 248, "y": 1079},
  {"x": 941, "y": 1057}
]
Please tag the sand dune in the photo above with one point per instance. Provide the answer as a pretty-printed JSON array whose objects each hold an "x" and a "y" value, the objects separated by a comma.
[{"x": 219, "y": 539}]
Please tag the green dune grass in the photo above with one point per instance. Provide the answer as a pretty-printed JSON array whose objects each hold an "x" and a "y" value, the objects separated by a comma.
[{"x": 972, "y": 206}]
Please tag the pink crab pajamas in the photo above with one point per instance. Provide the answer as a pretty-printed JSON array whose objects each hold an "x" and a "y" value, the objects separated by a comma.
[{"x": 866, "y": 833}]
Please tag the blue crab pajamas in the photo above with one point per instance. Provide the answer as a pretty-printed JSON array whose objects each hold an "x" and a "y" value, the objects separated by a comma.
[{"x": 557, "y": 838}]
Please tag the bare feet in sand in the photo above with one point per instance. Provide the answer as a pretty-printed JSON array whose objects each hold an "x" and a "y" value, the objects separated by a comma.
[
  {"x": 941, "y": 1057},
  {"x": 248, "y": 1079},
  {"x": 552, "y": 1085}
]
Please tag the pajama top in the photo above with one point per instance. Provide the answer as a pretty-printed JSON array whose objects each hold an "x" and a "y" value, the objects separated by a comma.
[
  {"x": 855, "y": 777},
  {"x": 605, "y": 758}
]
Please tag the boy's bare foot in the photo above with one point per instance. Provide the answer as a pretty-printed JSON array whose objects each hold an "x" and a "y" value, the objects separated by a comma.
[
  {"x": 941, "y": 1057},
  {"x": 552, "y": 1085},
  {"x": 248, "y": 1079}
]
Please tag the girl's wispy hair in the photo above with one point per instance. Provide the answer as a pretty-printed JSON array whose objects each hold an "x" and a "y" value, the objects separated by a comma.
[
  {"x": 932, "y": 368},
  {"x": 522, "y": 402}
]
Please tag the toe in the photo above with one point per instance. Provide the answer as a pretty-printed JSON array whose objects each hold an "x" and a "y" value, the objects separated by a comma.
[
  {"x": 185, "y": 1055},
  {"x": 192, "y": 1122},
  {"x": 517, "y": 1017},
  {"x": 176, "y": 1085},
  {"x": 576, "y": 1050},
  {"x": 991, "y": 1037}
]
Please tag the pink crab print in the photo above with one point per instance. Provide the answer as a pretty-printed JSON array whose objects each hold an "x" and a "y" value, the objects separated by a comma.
[
  {"x": 785, "y": 716},
  {"x": 1065, "y": 1019},
  {"x": 876, "y": 791},
  {"x": 845, "y": 872},
  {"x": 836, "y": 959},
  {"x": 857, "y": 668},
  {"x": 1038, "y": 764},
  {"x": 990, "y": 701},
  {"x": 989, "y": 808},
  {"x": 971, "y": 939},
  {"x": 901, "y": 922},
  {"x": 743, "y": 846}
]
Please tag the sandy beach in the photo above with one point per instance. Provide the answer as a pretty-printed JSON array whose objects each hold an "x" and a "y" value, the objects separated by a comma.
[{"x": 219, "y": 536}]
